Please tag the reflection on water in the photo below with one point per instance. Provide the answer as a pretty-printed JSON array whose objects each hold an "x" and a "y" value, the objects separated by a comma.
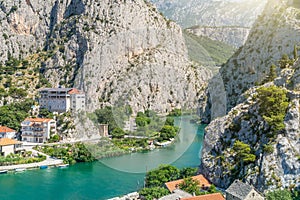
[{"x": 98, "y": 181}]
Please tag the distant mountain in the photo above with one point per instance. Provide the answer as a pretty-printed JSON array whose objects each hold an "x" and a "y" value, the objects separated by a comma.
[
  {"x": 211, "y": 12},
  {"x": 206, "y": 51},
  {"x": 231, "y": 35}
]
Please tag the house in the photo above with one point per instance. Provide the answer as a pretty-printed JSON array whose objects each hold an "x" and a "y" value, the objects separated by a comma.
[
  {"x": 242, "y": 191},
  {"x": 203, "y": 183},
  {"x": 214, "y": 196},
  {"x": 37, "y": 130},
  {"x": 8, "y": 146},
  {"x": 176, "y": 195},
  {"x": 6, "y": 132},
  {"x": 62, "y": 99}
]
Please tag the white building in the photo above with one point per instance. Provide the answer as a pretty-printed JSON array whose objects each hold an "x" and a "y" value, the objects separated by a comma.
[
  {"x": 6, "y": 132},
  {"x": 62, "y": 99},
  {"x": 37, "y": 129},
  {"x": 8, "y": 146}
]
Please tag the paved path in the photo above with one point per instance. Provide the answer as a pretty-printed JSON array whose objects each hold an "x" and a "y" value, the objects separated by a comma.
[{"x": 49, "y": 162}]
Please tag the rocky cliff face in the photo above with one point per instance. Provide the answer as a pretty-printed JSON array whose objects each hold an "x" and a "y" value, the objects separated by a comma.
[
  {"x": 234, "y": 36},
  {"x": 211, "y": 12},
  {"x": 277, "y": 161},
  {"x": 126, "y": 52},
  {"x": 274, "y": 167},
  {"x": 275, "y": 33},
  {"x": 116, "y": 51}
]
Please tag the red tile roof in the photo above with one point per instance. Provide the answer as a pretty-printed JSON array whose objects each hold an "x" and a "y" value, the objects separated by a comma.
[
  {"x": 74, "y": 91},
  {"x": 203, "y": 182},
  {"x": 38, "y": 119},
  {"x": 5, "y": 129},
  {"x": 8, "y": 141},
  {"x": 215, "y": 196}
]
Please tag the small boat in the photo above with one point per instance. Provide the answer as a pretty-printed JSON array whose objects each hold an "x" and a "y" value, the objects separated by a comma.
[
  {"x": 63, "y": 165},
  {"x": 20, "y": 169},
  {"x": 3, "y": 172},
  {"x": 43, "y": 167}
]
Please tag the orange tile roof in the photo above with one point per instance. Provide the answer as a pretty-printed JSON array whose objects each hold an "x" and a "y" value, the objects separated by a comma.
[
  {"x": 5, "y": 129},
  {"x": 215, "y": 196},
  {"x": 8, "y": 141},
  {"x": 74, "y": 91},
  {"x": 38, "y": 119},
  {"x": 174, "y": 184}
]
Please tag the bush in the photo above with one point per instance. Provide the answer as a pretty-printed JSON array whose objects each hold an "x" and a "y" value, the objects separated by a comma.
[
  {"x": 175, "y": 112},
  {"x": 268, "y": 148},
  {"x": 164, "y": 173},
  {"x": 243, "y": 152},
  {"x": 118, "y": 133},
  {"x": 279, "y": 194},
  {"x": 273, "y": 104},
  {"x": 153, "y": 193}
]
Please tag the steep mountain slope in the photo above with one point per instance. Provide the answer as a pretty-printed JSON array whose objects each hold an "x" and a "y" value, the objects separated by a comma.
[
  {"x": 259, "y": 139},
  {"x": 211, "y": 12},
  {"x": 234, "y": 36},
  {"x": 112, "y": 50},
  {"x": 275, "y": 33},
  {"x": 206, "y": 51}
]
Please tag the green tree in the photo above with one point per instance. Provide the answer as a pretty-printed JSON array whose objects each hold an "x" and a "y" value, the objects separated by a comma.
[
  {"x": 273, "y": 103},
  {"x": 105, "y": 116},
  {"x": 12, "y": 115},
  {"x": 272, "y": 73},
  {"x": 187, "y": 172},
  {"x": 175, "y": 112},
  {"x": 164, "y": 173},
  {"x": 169, "y": 121},
  {"x": 279, "y": 194},
  {"x": 118, "y": 133},
  {"x": 153, "y": 192},
  {"x": 54, "y": 138},
  {"x": 142, "y": 121},
  {"x": 285, "y": 61},
  {"x": 45, "y": 113},
  {"x": 190, "y": 185},
  {"x": 295, "y": 52},
  {"x": 243, "y": 152}
]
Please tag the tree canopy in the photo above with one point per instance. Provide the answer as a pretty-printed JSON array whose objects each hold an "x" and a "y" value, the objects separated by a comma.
[{"x": 273, "y": 104}]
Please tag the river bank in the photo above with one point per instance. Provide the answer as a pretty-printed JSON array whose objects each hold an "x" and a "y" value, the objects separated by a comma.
[{"x": 104, "y": 179}]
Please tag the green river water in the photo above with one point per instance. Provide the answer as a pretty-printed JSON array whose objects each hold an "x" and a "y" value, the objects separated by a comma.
[{"x": 105, "y": 178}]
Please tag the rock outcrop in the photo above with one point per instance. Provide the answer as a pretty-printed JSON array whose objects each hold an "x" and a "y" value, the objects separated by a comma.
[
  {"x": 117, "y": 52},
  {"x": 277, "y": 161},
  {"x": 275, "y": 33},
  {"x": 234, "y": 36}
]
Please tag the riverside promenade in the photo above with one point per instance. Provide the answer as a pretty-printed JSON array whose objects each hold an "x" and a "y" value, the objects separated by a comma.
[{"x": 49, "y": 162}]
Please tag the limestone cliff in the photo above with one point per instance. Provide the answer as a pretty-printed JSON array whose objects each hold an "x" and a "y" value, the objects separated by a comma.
[
  {"x": 272, "y": 159},
  {"x": 116, "y": 51},
  {"x": 275, "y": 33}
]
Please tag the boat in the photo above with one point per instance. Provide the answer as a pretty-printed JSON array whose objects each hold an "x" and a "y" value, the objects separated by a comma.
[
  {"x": 43, "y": 167},
  {"x": 63, "y": 165},
  {"x": 20, "y": 169},
  {"x": 3, "y": 172}
]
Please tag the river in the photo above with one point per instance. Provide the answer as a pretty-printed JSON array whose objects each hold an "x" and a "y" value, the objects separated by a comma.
[{"x": 105, "y": 178}]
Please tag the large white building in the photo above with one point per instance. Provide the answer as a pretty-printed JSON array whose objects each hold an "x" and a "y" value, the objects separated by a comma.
[
  {"x": 37, "y": 130},
  {"x": 62, "y": 99}
]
